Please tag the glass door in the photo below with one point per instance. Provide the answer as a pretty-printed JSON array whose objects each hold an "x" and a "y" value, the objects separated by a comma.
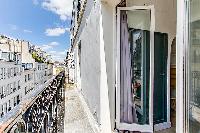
[
  {"x": 194, "y": 68},
  {"x": 135, "y": 68}
]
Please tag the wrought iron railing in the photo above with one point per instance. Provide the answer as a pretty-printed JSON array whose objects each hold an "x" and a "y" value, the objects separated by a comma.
[{"x": 40, "y": 114}]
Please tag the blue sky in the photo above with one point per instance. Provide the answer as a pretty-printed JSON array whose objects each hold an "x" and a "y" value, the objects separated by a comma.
[{"x": 44, "y": 23}]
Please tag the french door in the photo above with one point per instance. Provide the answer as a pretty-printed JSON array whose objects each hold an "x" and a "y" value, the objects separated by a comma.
[{"x": 135, "y": 68}]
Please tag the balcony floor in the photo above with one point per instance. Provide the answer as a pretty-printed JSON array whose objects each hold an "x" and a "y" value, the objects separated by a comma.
[
  {"x": 170, "y": 130},
  {"x": 76, "y": 119}
]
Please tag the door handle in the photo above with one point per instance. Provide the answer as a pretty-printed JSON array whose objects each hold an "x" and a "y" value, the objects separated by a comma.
[{"x": 163, "y": 74}]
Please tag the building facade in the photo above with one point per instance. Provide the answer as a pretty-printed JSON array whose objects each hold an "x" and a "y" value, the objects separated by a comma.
[
  {"x": 136, "y": 62},
  {"x": 11, "y": 86},
  {"x": 21, "y": 73},
  {"x": 70, "y": 67}
]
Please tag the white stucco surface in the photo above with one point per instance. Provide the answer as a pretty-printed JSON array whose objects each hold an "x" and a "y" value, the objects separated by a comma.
[
  {"x": 108, "y": 37},
  {"x": 90, "y": 61}
]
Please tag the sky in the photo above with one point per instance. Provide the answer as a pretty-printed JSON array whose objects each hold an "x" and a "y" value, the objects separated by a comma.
[{"x": 44, "y": 23}]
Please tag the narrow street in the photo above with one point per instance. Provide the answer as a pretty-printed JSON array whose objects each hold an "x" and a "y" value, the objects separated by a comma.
[{"x": 76, "y": 119}]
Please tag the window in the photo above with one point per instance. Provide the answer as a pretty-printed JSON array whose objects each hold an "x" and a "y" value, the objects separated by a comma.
[
  {"x": 14, "y": 101},
  {"x": 1, "y": 111},
  {"x": 9, "y": 107},
  {"x": 29, "y": 77},
  {"x": 1, "y": 73},
  {"x": 4, "y": 73},
  {"x": 11, "y": 72},
  {"x": 25, "y": 78},
  {"x": 6, "y": 108},
  {"x": 19, "y": 85},
  {"x": 7, "y": 90},
  {"x": 11, "y": 88},
  {"x": 25, "y": 90},
  {"x": 194, "y": 68},
  {"x": 14, "y": 87},
  {"x": 18, "y": 100},
  {"x": 3, "y": 92},
  {"x": 15, "y": 71}
]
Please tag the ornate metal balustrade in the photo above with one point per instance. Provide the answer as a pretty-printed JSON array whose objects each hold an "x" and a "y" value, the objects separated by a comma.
[
  {"x": 41, "y": 115},
  {"x": 195, "y": 89}
]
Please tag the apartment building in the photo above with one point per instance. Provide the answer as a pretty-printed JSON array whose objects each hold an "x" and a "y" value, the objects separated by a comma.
[
  {"x": 11, "y": 86},
  {"x": 28, "y": 77},
  {"x": 40, "y": 74},
  {"x": 70, "y": 67},
  {"x": 137, "y": 63},
  {"x": 20, "y": 72}
]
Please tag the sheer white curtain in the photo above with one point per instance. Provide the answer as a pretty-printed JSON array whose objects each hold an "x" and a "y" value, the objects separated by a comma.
[{"x": 127, "y": 110}]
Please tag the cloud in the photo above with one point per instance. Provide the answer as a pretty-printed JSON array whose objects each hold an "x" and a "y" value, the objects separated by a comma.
[
  {"x": 63, "y": 8},
  {"x": 49, "y": 46},
  {"x": 58, "y": 55},
  {"x": 27, "y": 31},
  {"x": 54, "y": 44},
  {"x": 35, "y": 2},
  {"x": 13, "y": 27},
  {"x": 56, "y": 31}
]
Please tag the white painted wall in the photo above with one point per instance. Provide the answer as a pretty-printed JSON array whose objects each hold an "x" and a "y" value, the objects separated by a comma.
[
  {"x": 108, "y": 12},
  {"x": 26, "y": 56},
  {"x": 165, "y": 15},
  {"x": 97, "y": 73},
  {"x": 90, "y": 61}
]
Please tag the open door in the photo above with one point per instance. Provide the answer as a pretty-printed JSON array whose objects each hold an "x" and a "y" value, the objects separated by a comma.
[{"x": 135, "y": 68}]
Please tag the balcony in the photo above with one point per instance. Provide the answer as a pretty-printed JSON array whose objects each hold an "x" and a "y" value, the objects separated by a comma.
[{"x": 33, "y": 107}]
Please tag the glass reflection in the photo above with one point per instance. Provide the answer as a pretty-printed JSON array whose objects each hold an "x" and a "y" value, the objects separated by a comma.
[
  {"x": 137, "y": 69},
  {"x": 194, "y": 90},
  {"x": 134, "y": 66},
  {"x": 140, "y": 73}
]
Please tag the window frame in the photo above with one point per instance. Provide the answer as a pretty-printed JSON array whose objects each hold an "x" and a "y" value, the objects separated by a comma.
[{"x": 125, "y": 126}]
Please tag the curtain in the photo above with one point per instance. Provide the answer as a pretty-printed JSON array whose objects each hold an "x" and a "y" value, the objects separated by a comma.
[{"x": 127, "y": 110}]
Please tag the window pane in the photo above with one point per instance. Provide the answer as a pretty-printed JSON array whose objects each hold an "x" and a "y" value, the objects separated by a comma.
[
  {"x": 194, "y": 89},
  {"x": 134, "y": 68}
]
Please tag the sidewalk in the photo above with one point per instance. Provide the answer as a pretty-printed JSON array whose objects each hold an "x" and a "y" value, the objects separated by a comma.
[{"x": 76, "y": 119}]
